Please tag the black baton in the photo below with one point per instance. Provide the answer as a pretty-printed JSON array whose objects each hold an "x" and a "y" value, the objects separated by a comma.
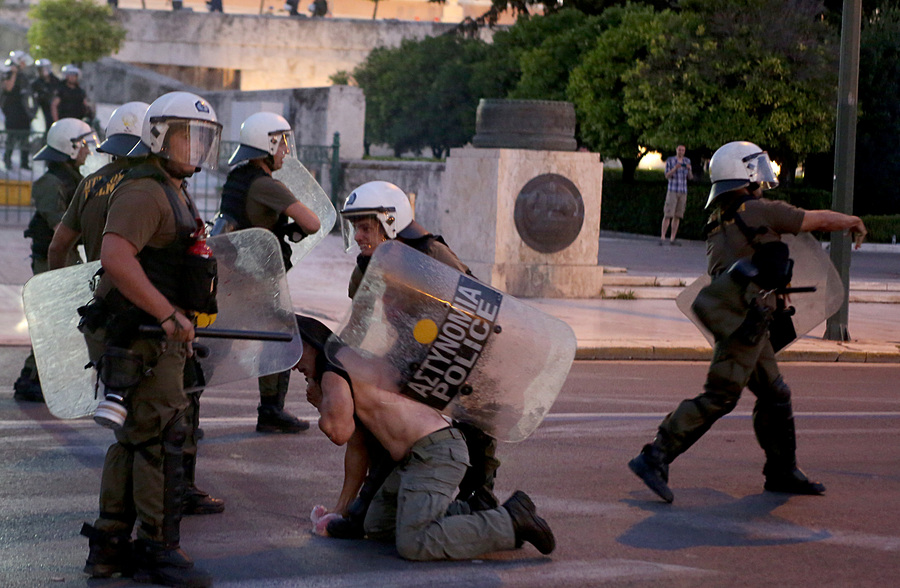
[{"x": 225, "y": 334}]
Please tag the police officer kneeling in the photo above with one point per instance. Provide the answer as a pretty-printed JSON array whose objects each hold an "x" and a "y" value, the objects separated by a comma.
[
  {"x": 748, "y": 263},
  {"x": 150, "y": 277}
]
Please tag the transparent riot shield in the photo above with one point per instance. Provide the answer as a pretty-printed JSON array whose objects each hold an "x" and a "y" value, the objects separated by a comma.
[
  {"x": 812, "y": 268},
  {"x": 94, "y": 161},
  {"x": 446, "y": 340},
  {"x": 252, "y": 295},
  {"x": 305, "y": 188}
]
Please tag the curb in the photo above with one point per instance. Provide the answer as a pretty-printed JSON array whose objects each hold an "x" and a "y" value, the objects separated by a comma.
[{"x": 838, "y": 353}]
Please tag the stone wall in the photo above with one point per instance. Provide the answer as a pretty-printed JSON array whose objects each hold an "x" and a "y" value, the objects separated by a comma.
[{"x": 419, "y": 178}]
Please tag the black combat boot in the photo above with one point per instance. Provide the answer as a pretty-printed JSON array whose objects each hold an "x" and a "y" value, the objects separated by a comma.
[
  {"x": 528, "y": 526},
  {"x": 792, "y": 481},
  {"x": 28, "y": 390},
  {"x": 110, "y": 553},
  {"x": 650, "y": 467},
  {"x": 277, "y": 420},
  {"x": 196, "y": 501},
  {"x": 167, "y": 565},
  {"x": 272, "y": 416}
]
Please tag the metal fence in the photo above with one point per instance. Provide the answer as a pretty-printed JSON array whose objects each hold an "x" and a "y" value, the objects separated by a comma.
[{"x": 322, "y": 161}]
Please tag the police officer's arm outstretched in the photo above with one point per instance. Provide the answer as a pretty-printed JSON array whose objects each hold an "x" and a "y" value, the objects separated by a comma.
[{"x": 750, "y": 267}]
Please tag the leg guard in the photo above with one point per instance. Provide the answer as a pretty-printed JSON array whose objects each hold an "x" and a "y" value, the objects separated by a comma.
[
  {"x": 773, "y": 423},
  {"x": 173, "y": 475}
]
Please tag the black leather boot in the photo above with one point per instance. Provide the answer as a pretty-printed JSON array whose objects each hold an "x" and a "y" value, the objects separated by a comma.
[
  {"x": 527, "y": 525},
  {"x": 167, "y": 565},
  {"x": 791, "y": 482},
  {"x": 110, "y": 553},
  {"x": 277, "y": 420},
  {"x": 198, "y": 502},
  {"x": 650, "y": 467}
]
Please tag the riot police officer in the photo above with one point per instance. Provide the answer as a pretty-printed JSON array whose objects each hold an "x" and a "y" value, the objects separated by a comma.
[
  {"x": 44, "y": 88},
  {"x": 744, "y": 251},
  {"x": 251, "y": 197},
  {"x": 150, "y": 277},
  {"x": 373, "y": 213},
  {"x": 71, "y": 99},
  {"x": 68, "y": 145},
  {"x": 16, "y": 108},
  {"x": 86, "y": 214}
]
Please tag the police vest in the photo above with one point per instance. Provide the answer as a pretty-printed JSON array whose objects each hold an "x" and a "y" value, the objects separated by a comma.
[
  {"x": 39, "y": 230},
  {"x": 234, "y": 205},
  {"x": 185, "y": 280}
]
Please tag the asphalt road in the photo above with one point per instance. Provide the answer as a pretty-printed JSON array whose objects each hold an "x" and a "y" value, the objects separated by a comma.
[{"x": 722, "y": 529}]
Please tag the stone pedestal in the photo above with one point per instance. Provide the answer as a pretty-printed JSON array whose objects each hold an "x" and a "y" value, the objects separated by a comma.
[{"x": 512, "y": 215}]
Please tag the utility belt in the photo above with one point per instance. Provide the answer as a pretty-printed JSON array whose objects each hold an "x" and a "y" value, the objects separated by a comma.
[
  {"x": 735, "y": 305},
  {"x": 116, "y": 317}
]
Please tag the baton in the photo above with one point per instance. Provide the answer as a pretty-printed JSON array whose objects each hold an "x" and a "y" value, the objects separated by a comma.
[
  {"x": 798, "y": 290},
  {"x": 225, "y": 334}
]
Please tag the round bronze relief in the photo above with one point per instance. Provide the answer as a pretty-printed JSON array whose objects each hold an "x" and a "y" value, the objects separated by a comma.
[{"x": 549, "y": 213}]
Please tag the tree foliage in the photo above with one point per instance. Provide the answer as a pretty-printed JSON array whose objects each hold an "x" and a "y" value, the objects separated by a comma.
[
  {"x": 878, "y": 131},
  {"x": 418, "y": 94},
  {"x": 73, "y": 31},
  {"x": 757, "y": 70},
  {"x": 597, "y": 85}
]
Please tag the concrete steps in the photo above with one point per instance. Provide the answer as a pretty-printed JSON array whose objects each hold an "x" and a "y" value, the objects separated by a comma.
[{"x": 618, "y": 285}]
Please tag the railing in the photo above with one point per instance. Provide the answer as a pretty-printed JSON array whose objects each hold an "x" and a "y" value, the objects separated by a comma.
[{"x": 323, "y": 161}]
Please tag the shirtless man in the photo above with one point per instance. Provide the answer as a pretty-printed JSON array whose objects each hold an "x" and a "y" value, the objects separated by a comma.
[{"x": 411, "y": 507}]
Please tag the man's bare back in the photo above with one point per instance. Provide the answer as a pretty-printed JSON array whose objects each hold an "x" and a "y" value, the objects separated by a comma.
[{"x": 395, "y": 420}]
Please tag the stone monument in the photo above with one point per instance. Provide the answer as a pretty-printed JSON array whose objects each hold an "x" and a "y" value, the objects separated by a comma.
[{"x": 522, "y": 207}]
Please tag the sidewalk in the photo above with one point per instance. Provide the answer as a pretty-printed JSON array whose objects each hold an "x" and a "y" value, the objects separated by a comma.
[{"x": 615, "y": 329}]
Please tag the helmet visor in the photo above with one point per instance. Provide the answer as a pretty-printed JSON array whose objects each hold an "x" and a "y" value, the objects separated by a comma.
[
  {"x": 192, "y": 142},
  {"x": 283, "y": 141},
  {"x": 760, "y": 170},
  {"x": 348, "y": 217}
]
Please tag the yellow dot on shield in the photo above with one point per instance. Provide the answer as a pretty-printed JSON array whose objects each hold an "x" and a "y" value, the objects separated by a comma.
[{"x": 425, "y": 331}]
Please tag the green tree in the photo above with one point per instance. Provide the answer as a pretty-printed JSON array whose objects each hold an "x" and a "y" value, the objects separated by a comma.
[
  {"x": 878, "y": 131},
  {"x": 418, "y": 94},
  {"x": 759, "y": 70},
  {"x": 545, "y": 69},
  {"x": 597, "y": 86},
  {"x": 73, "y": 31}
]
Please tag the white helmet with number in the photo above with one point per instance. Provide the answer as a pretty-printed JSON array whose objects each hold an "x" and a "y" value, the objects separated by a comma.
[
  {"x": 21, "y": 58},
  {"x": 185, "y": 116},
  {"x": 261, "y": 135},
  {"x": 123, "y": 132},
  {"x": 65, "y": 138},
  {"x": 70, "y": 69},
  {"x": 386, "y": 202},
  {"x": 738, "y": 164}
]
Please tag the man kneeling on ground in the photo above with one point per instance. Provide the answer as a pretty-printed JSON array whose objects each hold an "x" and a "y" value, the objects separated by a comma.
[{"x": 413, "y": 507}]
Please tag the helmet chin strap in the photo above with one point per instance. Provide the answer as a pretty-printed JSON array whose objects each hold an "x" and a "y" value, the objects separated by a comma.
[{"x": 180, "y": 172}]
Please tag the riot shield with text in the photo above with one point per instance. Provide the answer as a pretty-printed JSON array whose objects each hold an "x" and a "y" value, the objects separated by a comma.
[
  {"x": 305, "y": 188},
  {"x": 252, "y": 295},
  {"x": 812, "y": 268},
  {"x": 472, "y": 352}
]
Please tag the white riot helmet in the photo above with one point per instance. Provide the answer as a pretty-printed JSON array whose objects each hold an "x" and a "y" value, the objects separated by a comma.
[
  {"x": 43, "y": 64},
  {"x": 65, "y": 138},
  {"x": 21, "y": 58},
  {"x": 70, "y": 69},
  {"x": 123, "y": 132},
  {"x": 261, "y": 135},
  {"x": 181, "y": 127},
  {"x": 738, "y": 164},
  {"x": 386, "y": 202}
]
